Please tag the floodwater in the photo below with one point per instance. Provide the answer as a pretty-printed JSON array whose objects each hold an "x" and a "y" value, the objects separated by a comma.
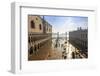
[{"x": 56, "y": 49}]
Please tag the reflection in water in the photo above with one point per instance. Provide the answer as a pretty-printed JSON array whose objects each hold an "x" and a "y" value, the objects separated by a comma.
[
  {"x": 44, "y": 44},
  {"x": 68, "y": 50},
  {"x": 55, "y": 49}
]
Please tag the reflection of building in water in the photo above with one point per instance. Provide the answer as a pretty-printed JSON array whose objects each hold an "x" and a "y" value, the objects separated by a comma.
[
  {"x": 79, "y": 39},
  {"x": 39, "y": 32}
]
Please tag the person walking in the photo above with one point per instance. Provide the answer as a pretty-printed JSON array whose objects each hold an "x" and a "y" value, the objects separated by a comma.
[
  {"x": 31, "y": 50},
  {"x": 64, "y": 53},
  {"x": 35, "y": 49},
  {"x": 73, "y": 55}
]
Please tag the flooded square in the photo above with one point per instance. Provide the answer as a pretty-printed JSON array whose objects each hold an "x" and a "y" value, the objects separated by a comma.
[{"x": 57, "y": 37}]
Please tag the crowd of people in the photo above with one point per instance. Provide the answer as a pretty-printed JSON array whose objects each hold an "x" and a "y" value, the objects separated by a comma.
[
  {"x": 60, "y": 44},
  {"x": 33, "y": 48},
  {"x": 64, "y": 47}
]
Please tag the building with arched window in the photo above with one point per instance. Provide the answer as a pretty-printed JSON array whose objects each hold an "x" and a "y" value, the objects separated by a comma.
[
  {"x": 79, "y": 38},
  {"x": 39, "y": 32}
]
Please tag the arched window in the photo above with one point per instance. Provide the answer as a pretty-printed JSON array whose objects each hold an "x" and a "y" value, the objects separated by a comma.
[
  {"x": 40, "y": 26},
  {"x": 32, "y": 24}
]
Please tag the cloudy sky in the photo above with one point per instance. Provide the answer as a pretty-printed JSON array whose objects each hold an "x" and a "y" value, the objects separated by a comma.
[{"x": 64, "y": 24}]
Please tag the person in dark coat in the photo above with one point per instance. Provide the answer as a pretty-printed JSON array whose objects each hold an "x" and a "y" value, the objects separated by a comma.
[
  {"x": 73, "y": 55},
  {"x": 31, "y": 50}
]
